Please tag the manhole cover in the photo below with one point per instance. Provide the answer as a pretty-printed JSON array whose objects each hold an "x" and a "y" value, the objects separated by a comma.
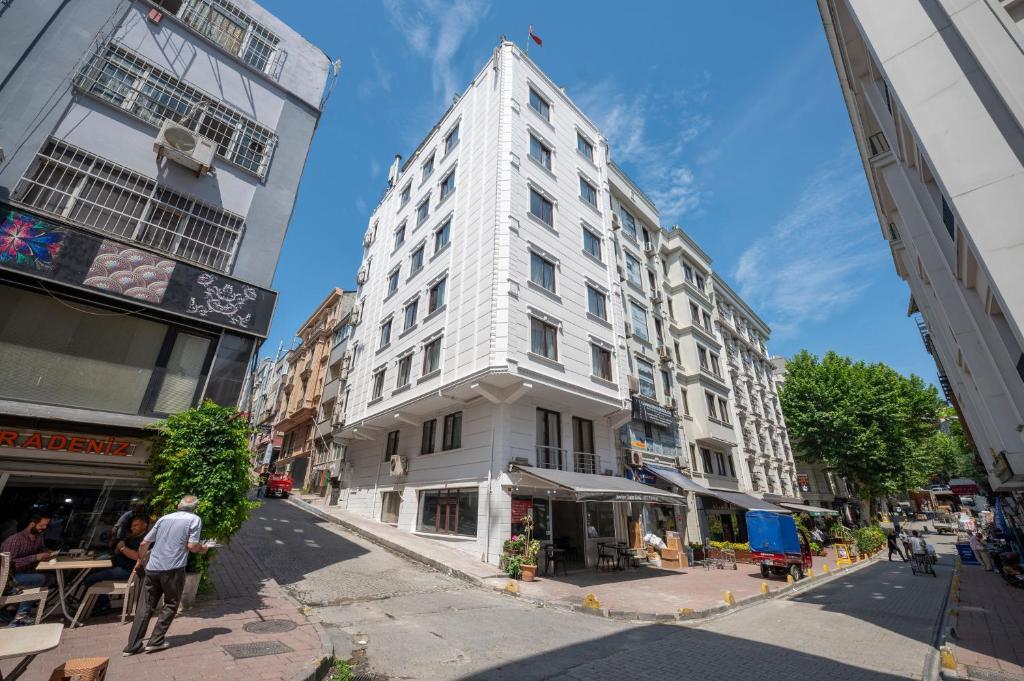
[
  {"x": 364, "y": 676},
  {"x": 259, "y": 649},
  {"x": 269, "y": 627}
]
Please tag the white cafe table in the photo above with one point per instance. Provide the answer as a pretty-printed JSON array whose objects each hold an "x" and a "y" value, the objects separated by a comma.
[
  {"x": 60, "y": 565},
  {"x": 26, "y": 643}
]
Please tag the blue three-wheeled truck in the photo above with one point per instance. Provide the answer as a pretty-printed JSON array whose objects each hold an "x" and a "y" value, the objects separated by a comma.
[{"x": 776, "y": 545}]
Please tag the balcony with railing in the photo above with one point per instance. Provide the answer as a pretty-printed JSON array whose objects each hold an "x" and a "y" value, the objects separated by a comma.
[{"x": 556, "y": 458}]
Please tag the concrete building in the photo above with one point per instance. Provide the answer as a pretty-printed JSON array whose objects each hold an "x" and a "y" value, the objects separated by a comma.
[
  {"x": 937, "y": 105},
  {"x": 328, "y": 450},
  {"x": 152, "y": 156},
  {"x": 511, "y": 334},
  {"x": 303, "y": 395},
  {"x": 265, "y": 401}
]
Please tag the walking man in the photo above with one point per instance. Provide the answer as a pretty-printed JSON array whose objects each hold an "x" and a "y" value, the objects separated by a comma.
[
  {"x": 163, "y": 554},
  {"x": 980, "y": 551},
  {"x": 890, "y": 540}
]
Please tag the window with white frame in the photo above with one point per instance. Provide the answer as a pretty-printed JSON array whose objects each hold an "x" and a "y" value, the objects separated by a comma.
[
  {"x": 723, "y": 409},
  {"x": 541, "y": 208},
  {"x": 540, "y": 152},
  {"x": 427, "y": 168},
  {"x": 72, "y": 184},
  {"x": 432, "y": 356},
  {"x": 628, "y": 221},
  {"x": 416, "y": 260},
  {"x": 584, "y": 146},
  {"x": 236, "y": 32},
  {"x": 400, "y": 235},
  {"x": 543, "y": 338},
  {"x": 705, "y": 459},
  {"x": 638, "y": 317},
  {"x": 712, "y": 408},
  {"x": 410, "y": 314},
  {"x": 588, "y": 192},
  {"x": 448, "y": 185},
  {"x": 442, "y": 235},
  {"x": 539, "y": 104},
  {"x": 378, "y": 384},
  {"x": 597, "y": 302},
  {"x": 666, "y": 382},
  {"x": 385, "y": 334},
  {"x": 451, "y": 437},
  {"x": 686, "y": 402},
  {"x": 645, "y": 374},
  {"x": 720, "y": 464},
  {"x": 429, "y": 435},
  {"x": 393, "y": 280},
  {"x": 406, "y": 195},
  {"x": 542, "y": 272},
  {"x": 688, "y": 273},
  {"x": 601, "y": 362},
  {"x": 423, "y": 211},
  {"x": 633, "y": 271},
  {"x": 592, "y": 243},
  {"x": 404, "y": 371},
  {"x": 391, "y": 449},
  {"x": 435, "y": 297},
  {"x": 451, "y": 140},
  {"x": 716, "y": 368}
]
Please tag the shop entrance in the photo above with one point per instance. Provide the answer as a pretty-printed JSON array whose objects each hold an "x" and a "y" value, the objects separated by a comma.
[
  {"x": 390, "y": 507},
  {"x": 568, "y": 531}
]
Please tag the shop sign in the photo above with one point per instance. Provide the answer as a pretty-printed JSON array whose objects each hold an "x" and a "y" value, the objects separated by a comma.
[
  {"x": 76, "y": 446},
  {"x": 520, "y": 509},
  {"x": 652, "y": 413},
  {"x": 803, "y": 481}
]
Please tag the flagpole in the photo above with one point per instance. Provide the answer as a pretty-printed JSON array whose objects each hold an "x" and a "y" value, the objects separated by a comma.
[{"x": 528, "y": 41}]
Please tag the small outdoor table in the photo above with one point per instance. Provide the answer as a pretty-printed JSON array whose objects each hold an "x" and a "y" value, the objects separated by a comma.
[
  {"x": 26, "y": 643},
  {"x": 61, "y": 565}
]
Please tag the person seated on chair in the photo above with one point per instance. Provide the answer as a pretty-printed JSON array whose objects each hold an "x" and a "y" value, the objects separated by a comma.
[
  {"x": 126, "y": 554},
  {"x": 27, "y": 551}
]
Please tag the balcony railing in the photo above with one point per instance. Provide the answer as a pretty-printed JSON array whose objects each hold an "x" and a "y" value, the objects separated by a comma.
[{"x": 556, "y": 458}]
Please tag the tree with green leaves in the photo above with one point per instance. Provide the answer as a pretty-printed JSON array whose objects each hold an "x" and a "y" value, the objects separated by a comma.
[
  {"x": 204, "y": 451},
  {"x": 866, "y": 422}
]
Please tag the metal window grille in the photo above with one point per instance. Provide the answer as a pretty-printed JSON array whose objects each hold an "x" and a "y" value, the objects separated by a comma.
[
  {"x": 237, "y": 33},
  {"x": 136, "y": 86},
  {"x": 70, "y": 183}
]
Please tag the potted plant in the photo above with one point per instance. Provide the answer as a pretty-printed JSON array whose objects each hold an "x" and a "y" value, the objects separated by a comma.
[
  {"x": 512, "y": 555},
  {"x": 531, "y": 548}
]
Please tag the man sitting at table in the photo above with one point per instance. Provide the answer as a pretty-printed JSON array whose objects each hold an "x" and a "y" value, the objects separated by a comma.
[
  {"x": 27, "y": 550},
  {"x": 126, "y": 554}
]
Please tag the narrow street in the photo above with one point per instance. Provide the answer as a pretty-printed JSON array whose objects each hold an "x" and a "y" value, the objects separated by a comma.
[{"x": 875, "y": 624}]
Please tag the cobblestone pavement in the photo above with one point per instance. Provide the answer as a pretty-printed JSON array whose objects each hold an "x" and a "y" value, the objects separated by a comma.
[{"x": 871, "y": 625}]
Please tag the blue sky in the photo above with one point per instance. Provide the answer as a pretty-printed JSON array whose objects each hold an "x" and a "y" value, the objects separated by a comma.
[{"x": 728, "y": 114}]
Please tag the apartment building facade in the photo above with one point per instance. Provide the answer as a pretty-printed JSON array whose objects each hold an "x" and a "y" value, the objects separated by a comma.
[
  {"x": 303, "y": 397},
  {"x": 263, "y": 404},
  {"x": 936, "y": 111},
  {"x": 510, "y": 335},
  {"x": 152, "y": 156}
]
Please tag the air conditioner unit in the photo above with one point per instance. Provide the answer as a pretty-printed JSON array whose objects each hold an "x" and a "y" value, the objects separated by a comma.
[
  {"x": 634, "y": 384},
  {"x": 361, "y": 275},
  {"x": 629, "y": 331},
  {"x": 184, "y": 147},
  {"x": 399, "y": 465},
  {"x": 353, "y": 317},
  {"x": 615, "y": 221},
  {"x": 636, "y": 458},
  {"x": 621, "y": 272},
  {"x": 656, "y": 299},
  {"x": 681, "y": 462},
  {"x": 664, "y": 354}
]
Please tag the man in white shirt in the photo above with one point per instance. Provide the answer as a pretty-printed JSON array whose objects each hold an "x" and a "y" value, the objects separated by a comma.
[
  {"x": 164, "y": 552},
  {"x": 918, "y": 546}
]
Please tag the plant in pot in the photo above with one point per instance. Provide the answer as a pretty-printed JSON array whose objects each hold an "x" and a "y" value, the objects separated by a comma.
[
  {"x": 531, "y": 549},
  {"x": 512, "y": 555}
]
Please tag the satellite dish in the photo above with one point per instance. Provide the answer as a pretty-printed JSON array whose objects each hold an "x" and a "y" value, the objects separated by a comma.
[{"x": 180, "y": 139}]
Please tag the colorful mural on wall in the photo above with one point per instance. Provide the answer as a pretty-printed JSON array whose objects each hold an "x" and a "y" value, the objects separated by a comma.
[
  {"x": 130, "y": 272},
  {"x": 26, "y": 240}
]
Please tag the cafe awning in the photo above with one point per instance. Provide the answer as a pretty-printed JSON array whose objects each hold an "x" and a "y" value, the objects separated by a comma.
[
  {"x": 674, "y": 477},
  {"x": 745, "y": 501},
  {"x": 807, "y": 508},
  {"x": 589, "y": 487}
]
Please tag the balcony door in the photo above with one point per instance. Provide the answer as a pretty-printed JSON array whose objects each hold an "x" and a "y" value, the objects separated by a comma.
[
  {"x": 549, "y": 439},
  {"x": 583, "y": 445}
]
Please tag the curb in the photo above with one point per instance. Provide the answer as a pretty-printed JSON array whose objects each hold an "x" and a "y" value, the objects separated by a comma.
[{"x": 945, "y": 632}]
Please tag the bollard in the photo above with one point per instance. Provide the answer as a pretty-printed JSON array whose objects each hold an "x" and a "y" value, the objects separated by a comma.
[
  {"x": 810, "y": 572},
  {"x": 789, "y": 579},
  {"x": 764, "y": 588},
  {"x": 512, "y": 587},
  {"x": 947, "y": 658},
  {"x": 590, "y": 601},
  {"x": 728, "y": 598},
  {"x": 824, "y": 568}
]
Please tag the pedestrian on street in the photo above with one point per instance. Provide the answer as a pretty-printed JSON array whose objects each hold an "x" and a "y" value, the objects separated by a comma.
[
  {"x": 163, "y": 554},
  {"x": 261, "y": 489},
  {"x": 890, "y": 540},
  {"x": 980, "y": 551}
]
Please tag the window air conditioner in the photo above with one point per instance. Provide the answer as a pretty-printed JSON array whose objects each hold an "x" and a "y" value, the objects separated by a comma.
[
  {"x": 636, "y": 458},
  {"x": 682, "y": 463},
  {"x": 184, "y": 147},
  {"x": 615, "y": 221},
  {"x": 621, "y": 272},
  {"x": 634, "y": 384},
  {"x": 399, "y": 465}
]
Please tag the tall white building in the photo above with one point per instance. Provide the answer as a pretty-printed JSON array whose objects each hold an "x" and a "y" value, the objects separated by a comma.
[
  {"x": 511, "y": 347},
  {"x": 936, "y": 99}
]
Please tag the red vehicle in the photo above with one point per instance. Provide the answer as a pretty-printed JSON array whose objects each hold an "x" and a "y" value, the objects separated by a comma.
[
  {"x": 279, "y": 485},
  {"x": 776, "y": 545}
]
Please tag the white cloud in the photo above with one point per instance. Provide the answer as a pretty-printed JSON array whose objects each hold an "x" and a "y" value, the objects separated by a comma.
[
  {"x": 434, "y": 30},
  {"x": 816, "y": 259}
]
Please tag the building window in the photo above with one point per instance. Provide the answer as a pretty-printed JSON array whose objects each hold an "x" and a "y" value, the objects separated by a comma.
[
  {"x": 591, "y": 243},
  {"x": 385, "y": 334},
  {"x": 723, "y": 410},
  {"x": 948, "y": 219},
  {"x": 666, "y": 382},
  {"x": 410, "y": 314},
  {"x": 235, "y": 31},
  {"x": 688, "y": 273},
  {"x": 392, "y": 446},
  {"x": 452, "y": 140},
  {"x": 584, "y": 147},
  {"x": 686, "y": 402},
  {"x": 675, "y": 347},
  {"x": 702, "y": 357},
  {"x": 72, "y": 184},
  {"x": 542, "y": 272},
  {"x": 429, "y": 433},
  {"x": 404, "y": 371},
  {"x": 138, "y": 87},
  {"x": 716, "y": 369},
  {"x": 416, "y": 261},
  {"x": 705, "y": 459},
  {"x": 432, "y": 356},
  {"x": 423, "y": 211},
  {"x": 588, "y": 193},
  {"x": 707, "y": 320},
  {"x": 543, "y": 339},
  {"x": 596, "y": 303},
  {"x": 638, "y": 316},
  {"x": 658, "y": 332},
  {"x": 449, "y": 511},
  {"x": 720, "y": 464},
  {"x": 540, "y": 152},
  {"x": 712, "y": 413},
  {"x": 406, "y": 195},
  {"x": 452, "y": 435},
  {"x": 442, "y": 235},
  {"x": 393, "y": 280},
  {"x": 633, "y": 274},
  {"x": 601, "y": 362},
  {"x": 448, "y": 185},
  {"x": 645, "y": 373},
  {"x": 628, "y": 221},
  {"x": 540, "y": 105},
  {"x": 694, "y": 313},
  {"x": 378, "y": 384},
  {"x": 700, "y": 282},
  {"x": 435, "y": 298},
  {"x": 664, "y": 267},
  {"x": 732, "y": 466},
  {"x": 541, "y": 208},
  {"x": 400, "y": 235},
  {"x": 427, "y": 169}
]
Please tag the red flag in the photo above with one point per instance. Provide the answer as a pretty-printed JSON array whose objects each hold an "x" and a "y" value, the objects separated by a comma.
[{"x": 535, "y": 37}]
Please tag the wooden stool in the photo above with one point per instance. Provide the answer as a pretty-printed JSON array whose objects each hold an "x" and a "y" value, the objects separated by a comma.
[{"x": 82, "y": 669}]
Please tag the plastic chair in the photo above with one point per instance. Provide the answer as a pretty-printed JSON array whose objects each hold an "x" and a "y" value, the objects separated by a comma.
[
  {"x": 82, "y": 669},
  {"x": 27, "y": 595},
  {"x": 128, "y": 590}
]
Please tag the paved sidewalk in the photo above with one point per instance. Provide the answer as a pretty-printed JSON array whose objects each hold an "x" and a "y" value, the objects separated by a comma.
[
  {"x": 246, "y": 595},
  {"x": 622, "y": 594},
  {"x": 990, "y": 627}
]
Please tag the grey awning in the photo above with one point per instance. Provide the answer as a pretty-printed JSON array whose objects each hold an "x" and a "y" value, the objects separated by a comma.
[
  {"x": 806, "y": 508},
  {"x": 589, "y": 487},
  {"x": 746, "y": 501},
  {"x": 674, "y": 477}
]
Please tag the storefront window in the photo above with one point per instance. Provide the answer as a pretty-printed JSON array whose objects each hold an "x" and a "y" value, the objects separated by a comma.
[
  {"x": 538, "y": 506},
  {"x": 449, "y": 511},
  {"x": 600, "y": 519}
]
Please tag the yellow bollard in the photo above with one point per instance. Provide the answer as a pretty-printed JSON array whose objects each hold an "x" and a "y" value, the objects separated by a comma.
[
  {"x": 764, "y": 588},
  {"x": 946, "y": 657},
  {"x": 810, "y": 572},
  {"x": 685, "y": 611},
  {"x": 824, "y": 568},
  {"x": 590, "y": 601},
  {"x": 512, "y": 587},
  {"x": 789, "y": 579},
  {"x": 728, "y": 598}
]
